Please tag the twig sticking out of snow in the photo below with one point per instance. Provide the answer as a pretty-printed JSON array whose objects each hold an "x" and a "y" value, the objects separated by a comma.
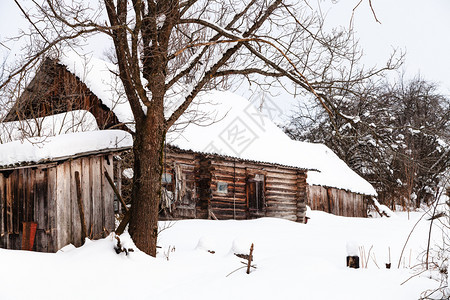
[
  {"x": 364, "y": 258},
  {"x": 247, "y": 264},
  {"x": 169, "y": 250}
]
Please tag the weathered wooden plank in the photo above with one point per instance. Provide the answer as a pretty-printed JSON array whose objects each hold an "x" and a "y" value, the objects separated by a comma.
[
  {"x": 230, "y": 170},
  {"x": 301, "y": 196},
  {"x": 9, "y": 204},
  {"x": 230, "y": 214},
  {"x": 238, "y": 184},
  {"x": 288, "y": 182},
  {"x": 108, "y": 195},
  {"x": 281, "y": 204},
  {"x": 41, "y": 210},
  {"x": 284, "y": 206},
  {"x": 229, "y": 205},
  {"x": 86, "y": 191},
  {"x": 260, "y": 168},
  {"x": 20, "y": 199},
  {"x": 281, "y": 192},
  {"x": 97, "y": 207},
  {"x": 231, "y": 189},
  {"x": 280, "y": 197},
  {"x": 230, "y": 194},
  {"x": 281, "y": 185},
  {"x": 118, "y": 177},
  {"x": 2, "y": 207},
  {"x": 16, "y": 203},
  {"x": 76, "y": 228},
  {"x": 189, "y": 157},
  {"x": 114, "y": 188},
  {"x": 225, "y": 198},
  {"x": 227, "y": 179},
  {"x": 31, "y": 191},
  {"x": 63, "y": 205}
]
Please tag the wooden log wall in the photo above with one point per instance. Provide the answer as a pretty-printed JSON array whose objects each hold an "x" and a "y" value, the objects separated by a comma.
[
  {"x": 47, "y": 195},
  {"x": 336, "y": 201},
  {"x": 232, "y": 203},
  {"x": 282, "y": 190},
  {"x": 301, "y": 197}
]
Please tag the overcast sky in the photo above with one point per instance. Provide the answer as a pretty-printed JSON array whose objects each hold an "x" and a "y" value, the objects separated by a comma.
[{"x": 418, "y": 27}]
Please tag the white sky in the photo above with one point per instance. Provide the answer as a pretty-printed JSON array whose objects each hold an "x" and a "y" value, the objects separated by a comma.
[{"x": 418, "y": 27}]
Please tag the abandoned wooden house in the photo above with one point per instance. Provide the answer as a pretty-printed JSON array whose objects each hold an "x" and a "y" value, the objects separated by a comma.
[
  {"x": 55, "y": 89},
  {"x": 239, "y": 166},
  {"x": 201, "y": 185},
  {"x": 336, "y": 188},
  {"x": 54, "y": 190}
]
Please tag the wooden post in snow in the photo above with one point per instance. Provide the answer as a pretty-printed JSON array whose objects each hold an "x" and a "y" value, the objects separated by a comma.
[
  {"x": 250, "y": 258},
  {"x": 111, "y": 183},
  {"x": 80, "y": 207}
]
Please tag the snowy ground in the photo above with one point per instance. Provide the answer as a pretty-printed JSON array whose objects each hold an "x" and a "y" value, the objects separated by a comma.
[{"x": 294, "y": 261}]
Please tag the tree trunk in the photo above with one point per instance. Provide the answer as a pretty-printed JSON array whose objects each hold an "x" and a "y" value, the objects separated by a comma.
[{"x": 146, "y": 191}]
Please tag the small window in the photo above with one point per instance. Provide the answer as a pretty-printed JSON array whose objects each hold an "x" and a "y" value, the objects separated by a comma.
[
  {"x": 222, "y": 187},
  {"x": 116, "y": 204},
  {"x": 166, "y": 178}
]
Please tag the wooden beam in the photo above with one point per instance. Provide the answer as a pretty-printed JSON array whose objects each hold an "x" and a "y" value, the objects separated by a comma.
[
  {"x": 116, "y": 191},
  {"x": 126, "y": 218},
  {"x": 250, "y": 258},
  {"x": 81, "y": 207}
]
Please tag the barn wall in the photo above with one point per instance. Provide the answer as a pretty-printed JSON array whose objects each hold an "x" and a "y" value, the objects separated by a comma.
[
  {"x": 336, "y": 201},
  {"x": 47, "y": 195},
  {"x": 199, "y": 175},
  {"x": 284, "y": 192}
]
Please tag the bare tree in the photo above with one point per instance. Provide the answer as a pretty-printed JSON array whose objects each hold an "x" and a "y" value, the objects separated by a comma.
[
  {"x": 396, "y": 137},
  {"x": 169, "y": 51}
]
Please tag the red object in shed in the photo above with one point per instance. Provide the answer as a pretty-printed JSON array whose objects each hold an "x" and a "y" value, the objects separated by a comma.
[{"x": 28, "y": 234}]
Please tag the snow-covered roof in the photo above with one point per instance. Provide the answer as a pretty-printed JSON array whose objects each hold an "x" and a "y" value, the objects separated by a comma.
[
  {"x": 38, "y": 150},
  {"x": 227, "y": 124},
  {"x": 334, "y": 172},
  {"x": 230, "y": 125},
  {"x": 72, "y": 121}
]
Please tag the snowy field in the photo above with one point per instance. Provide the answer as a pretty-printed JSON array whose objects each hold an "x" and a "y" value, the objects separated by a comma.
[{"x": 293, "y": 261}]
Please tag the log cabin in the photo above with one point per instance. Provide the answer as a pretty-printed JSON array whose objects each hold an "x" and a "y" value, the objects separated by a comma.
[
  {"x": 202, "y": 185},
  {"x": 239, "y": 166},
  {"x": 53, "y": 190}
]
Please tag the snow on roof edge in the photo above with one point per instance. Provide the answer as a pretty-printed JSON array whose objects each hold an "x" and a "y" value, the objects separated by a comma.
[{"x": 41, "y": 150}]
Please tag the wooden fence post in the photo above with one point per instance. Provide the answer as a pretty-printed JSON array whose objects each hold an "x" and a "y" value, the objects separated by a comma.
[{"x": 80, "y": 207}]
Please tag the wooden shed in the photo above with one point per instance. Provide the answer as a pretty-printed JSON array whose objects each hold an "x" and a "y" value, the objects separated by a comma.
[
  {"x": 49, "y": 186},
  {"x": 333, "y": 187},
  {"x": 203, "y": 185}
]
